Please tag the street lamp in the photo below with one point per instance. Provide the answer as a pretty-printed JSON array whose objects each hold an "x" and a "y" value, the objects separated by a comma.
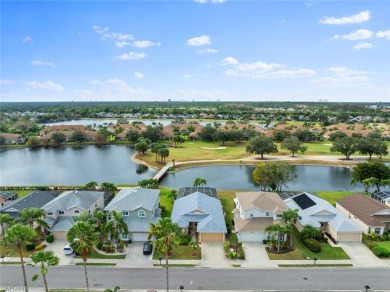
[
  {"x": 367, "y": 287},
  {"x": 160, "y": 258},
  {"x": 181, "y": 288}
]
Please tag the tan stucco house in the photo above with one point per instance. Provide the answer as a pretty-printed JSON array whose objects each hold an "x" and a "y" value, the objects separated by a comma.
[{"x": 369, "y": 214}]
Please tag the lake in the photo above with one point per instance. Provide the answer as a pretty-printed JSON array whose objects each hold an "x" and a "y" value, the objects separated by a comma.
[{"x": 77, "y": 165}]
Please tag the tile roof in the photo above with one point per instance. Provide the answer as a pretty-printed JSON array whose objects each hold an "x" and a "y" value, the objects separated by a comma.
[
  {"x": 252, "y": 224},
  {"x": 364, "y": 208},
  {"x": 266, "y": 201},
  {"x": 134, "y": 198}
]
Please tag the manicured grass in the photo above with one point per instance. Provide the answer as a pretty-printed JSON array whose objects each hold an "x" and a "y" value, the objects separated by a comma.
[
  {"x": 96, "y": 264},
  {"x": 332, "y": 197},
  {"x": 181, "y": 252},
  {"x": 12, "y": 251},
  {"x": 95, "y": 255},
  {"x": 226, "y": 198},
  {"x": 371, "y": 243},
  {"x": 302, "y": 253},
  {"x": 316, "y": 265},
  {"x": 165, "y": 202}
]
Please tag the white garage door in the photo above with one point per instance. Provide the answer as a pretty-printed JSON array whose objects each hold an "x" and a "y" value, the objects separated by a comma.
[
  {"x": 250, "y": 236},
  {"x": 139, "y": 236}
]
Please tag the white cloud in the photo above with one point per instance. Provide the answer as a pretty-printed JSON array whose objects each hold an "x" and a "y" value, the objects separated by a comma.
[
  {"x": 199, "y": 41},
  {"x": 342, "y": 77},
  {"x": 210, "y": 1},
  {"x": 359, "y": 34},
  {"x": 229, "y": 61},
  {"x": 383, "y": 34},
  {"x": 130, "y": 56},
  {"x": 361, "y": 46},
  {"x": 27, "y": 39},
  {"x": 50, "y": 85},
  {"x": 356, "y": 18},
  {"x": 6, "y": 82},
  {"x": 120, "y": 39},
  {"x": 138, "y": 75},
  {"x": 208, "y": 51},
  {"x": 263, "y": 70},
  {"x": 194, "y": 75},
  {"x": 41, "y": 63},
  {"x": 145, "y": 44}
]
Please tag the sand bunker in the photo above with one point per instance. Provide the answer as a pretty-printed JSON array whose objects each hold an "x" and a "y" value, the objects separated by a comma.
[{"x": 214, "y": 148}]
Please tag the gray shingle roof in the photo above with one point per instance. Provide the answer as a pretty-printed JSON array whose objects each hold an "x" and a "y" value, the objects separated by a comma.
[
  {"x": 136, "y": 224},
  {"x": 201, "y": 208},
  {"x": 71, "y": 199},
  {"x": 64, "y": 223},
  {"x": 134, "y": 198}
]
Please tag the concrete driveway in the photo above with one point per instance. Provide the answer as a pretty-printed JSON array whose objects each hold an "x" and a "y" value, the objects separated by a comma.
[
  {"x": 360, "y": 255},
  {"x": 135, "y": 257},
  {"x": 256, "y": 256},
  {"x": 57, "y": 246},
  {"x": 213, "y": 256}
]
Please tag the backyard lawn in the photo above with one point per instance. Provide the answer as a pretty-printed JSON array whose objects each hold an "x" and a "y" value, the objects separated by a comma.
[
  {"x": 332, "y": 197},
  {"x": 181, "y": 252}
]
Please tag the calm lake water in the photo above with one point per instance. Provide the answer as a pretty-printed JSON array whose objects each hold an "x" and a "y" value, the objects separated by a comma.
[{"x": 112, "y": 163}]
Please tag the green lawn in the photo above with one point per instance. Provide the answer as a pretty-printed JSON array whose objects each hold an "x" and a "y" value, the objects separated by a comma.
[
  {"x": 181, "y": 252},
  {"x": 12, "y": 251},
  {"x": 226, "y": 198},
  {"x": 332, "y": 197},
  {"x": 371, "y": 244},
  {"x": 165, "y": 201},
  {"x": 301, "y": 252}
]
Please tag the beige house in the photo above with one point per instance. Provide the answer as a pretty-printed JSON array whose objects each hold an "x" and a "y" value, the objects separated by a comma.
[
  {"x": 61, "y": 210},
  {"x": 254, "y": 211},
  {"x": 369, "y": 214}
]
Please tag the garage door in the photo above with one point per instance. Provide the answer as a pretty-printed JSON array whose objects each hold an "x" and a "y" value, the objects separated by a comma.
[
  {"x": 59, "y": 235},
  {"x": 250, "y": 236},
  {"x": 139, "y": 236},
  {"x": 356, "y": 237},
  {"x": 211, "y": 237}
]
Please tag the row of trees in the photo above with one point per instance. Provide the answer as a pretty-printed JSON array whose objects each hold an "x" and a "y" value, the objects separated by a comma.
[{"x": 371, "y": 174}]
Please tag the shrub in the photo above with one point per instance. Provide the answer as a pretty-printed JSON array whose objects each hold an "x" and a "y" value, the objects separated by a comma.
[
  {"x": 226, "y": 246},
  {"x": 99, "y": 245},
  {"x": 49, "y": 238},
  {"x": 380, "y": 251},
  {"x": 185, "y": 239},
  {"x": 30, "y": 246},
  {"x": 40, "y": 247},
  {"x": 372, "y": 236},
  {"x": 312, "y": 244}
]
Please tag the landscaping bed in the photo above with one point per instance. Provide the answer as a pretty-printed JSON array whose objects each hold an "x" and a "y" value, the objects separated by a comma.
[
  {"x": 379, "y": 248},
  {"x": 181, "y": 252}
]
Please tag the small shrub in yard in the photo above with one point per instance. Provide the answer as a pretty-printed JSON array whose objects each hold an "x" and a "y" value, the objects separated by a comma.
[
  {"x": 312, "y": 244},
  {"x": 99, "y": 245},
  {"x": 49, "y": 238},
  {"x": 40, "y": 247},
  {"x": 30, "y": 246},
  {"x": 380, "y": 251}
]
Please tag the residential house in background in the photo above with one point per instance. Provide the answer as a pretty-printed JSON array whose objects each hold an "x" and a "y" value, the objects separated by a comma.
[
  {"x": 13, "y": 138},
  {"x": 139, "y": 207},
  {"x": 319, "y": 213},
  {"x": 7, "y": 197},
  {"x": 253, "y": 212},
  {"x": 369, "y": 214},
  {"x": 61, "y": 210},
  {"x": 200, "y": 215},
  {"x": 382, "y": 196}
]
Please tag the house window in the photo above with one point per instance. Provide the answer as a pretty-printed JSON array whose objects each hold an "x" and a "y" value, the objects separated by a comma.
[
  {"x": 50, "y": 214},
  {"x": 77, "y": 212},
  {"x": 125, "y": 213},
  {"x": 141, "y": 213},
  {"x": 279, "y": 216},
  {"x": 267, "y": 214},
  {"x": 61, "y": 212},
  {"x": 377, "y": 230},
  {"x": 251, "y": 215},
  {"x": 124, "y": 236}
]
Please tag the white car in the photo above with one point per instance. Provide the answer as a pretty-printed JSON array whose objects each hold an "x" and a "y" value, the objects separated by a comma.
[{"x": 68, "y": 250}]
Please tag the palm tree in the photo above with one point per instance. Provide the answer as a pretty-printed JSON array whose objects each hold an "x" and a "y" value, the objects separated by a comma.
[
  {"x": 275, "y": 230},
  {"x": 19, "y": 234},
  {"x": 44, "y": 259},
  {"x": 290, "y": 217},
  {"x": 33, "y": 215},
  {"x": 5, "y": 219},
  {"x": 167, "y": 236},
  {"x": 82, "y": 237},
  {"x": 116, "y": 225},
  {"x": 194, "y": 245},
  {"x": 199, "y": 182},
  {"x": 100, "y": 222}
]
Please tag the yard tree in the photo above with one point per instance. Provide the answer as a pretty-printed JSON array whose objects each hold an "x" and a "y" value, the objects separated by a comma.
[
  {"x": 153, "y": 132},
  {"x": 261, "y": 145},
  {"x": 44, "y": 259},
  {"x": 279, "y": 135},
  {"x": 290, "y": 217},
  {"x": 107, "y": 186},
  {"x": 372, "y": 146},
  {"x": 275, "y": 230},
  {"x": 3, "y": 140},
  {"x": 346, "y": 146},
  {"x": 82, "y": 238},
  {"x": 100, "y": 220},
  {"x": 199, "y": 182},
  {"x": 79, "y": 136},
  {"x": 273, "y": 175},
  {"x": 5, "y": 220},
  {"x": 152, "y": 183},
  {"x": 337, "y": 134},
  {"x": 18, "y": 235},
  {"x": 163, "y": 153},
  {"x": 91, "y": 185},
  {"x": 293, "y": 145},
  {"x": 116, "y": 226},
  {"x": 167, "y": 235},
  {"x": 58, "y": 138},
  {"x": 142, "y": 145},
  {"x": 33, "y": 216},
  {"x": 207, "y": 132},
  {"x": 365, "y": 170},
  {"x": 33, "y": 142},
  {"x": 132, "y": 136}
]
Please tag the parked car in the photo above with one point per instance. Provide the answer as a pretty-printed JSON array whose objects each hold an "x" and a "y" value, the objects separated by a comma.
[
  {"x": 68, "y": 250},
  {"x": 148, "y": 248}
]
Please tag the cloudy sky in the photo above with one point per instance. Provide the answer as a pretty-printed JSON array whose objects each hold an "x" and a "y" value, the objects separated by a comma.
[{"x": 195, "y": 50}]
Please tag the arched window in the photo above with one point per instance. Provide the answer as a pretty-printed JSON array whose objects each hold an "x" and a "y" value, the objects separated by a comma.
[
  {"x": 77, "y": 212},
  {"x": 141, "y": 213}
]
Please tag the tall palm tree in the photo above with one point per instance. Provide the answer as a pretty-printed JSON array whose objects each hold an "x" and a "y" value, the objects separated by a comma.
[
  {"x": 19, "y": 234},
  {"x": 5, "y": 220},
  {"x": 44, "y": 259},
  {"x": 33, "y": 215},
  {"x": 82, "y": 237},
  {"x": 116, "y": 225},
  {"x": 100, "y": 222},
  {"x": 290, "y": 217},
  {"x": 275, "y": 230},
  {"x": 167, "y": 235},
  {"x": 199, "y": 182}
]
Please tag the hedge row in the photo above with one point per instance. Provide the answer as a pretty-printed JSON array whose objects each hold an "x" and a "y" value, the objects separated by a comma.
[{"x": 312, "y": 244}]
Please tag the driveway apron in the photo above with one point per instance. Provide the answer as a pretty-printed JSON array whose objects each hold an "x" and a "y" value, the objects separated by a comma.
[
  {"x": 213, "y": 256},
  {"x": 135, "y": 257},
  {"x": 360, "y": 255},
  {"x": 256, "y": 256}
]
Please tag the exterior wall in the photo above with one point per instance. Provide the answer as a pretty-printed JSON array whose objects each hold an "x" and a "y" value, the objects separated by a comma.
[
  {"x": 71, "y": 212},
  {"x": 256, "y": 213},
  {"x": 363, "y": 226},
  {"x": 59, "y": 235},
  {"x": 299, "y": 226},
  {"x": 211, "y": 237},
  {"x": 134, "y": 213},
  {"x": 251, "y": 236}
]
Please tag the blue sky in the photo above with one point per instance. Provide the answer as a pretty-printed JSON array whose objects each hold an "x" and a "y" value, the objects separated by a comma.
[{"x": 195, "y": 50}]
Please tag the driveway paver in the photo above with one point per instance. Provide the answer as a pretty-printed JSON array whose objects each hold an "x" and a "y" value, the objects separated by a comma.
[
  {"x": 360, "y": 255},
  {"x": 256, "y": 256}
]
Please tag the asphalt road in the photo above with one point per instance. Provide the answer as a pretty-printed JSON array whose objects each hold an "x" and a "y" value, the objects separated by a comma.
[{"x": 301, "y": 279}]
